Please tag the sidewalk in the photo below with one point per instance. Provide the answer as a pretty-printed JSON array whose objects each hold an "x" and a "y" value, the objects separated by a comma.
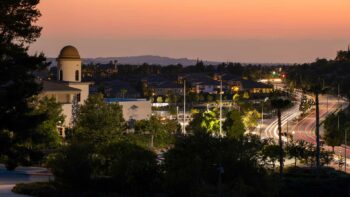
[
  {"x": 8, "y": 179},
  {"x": 32, "y": 171}
]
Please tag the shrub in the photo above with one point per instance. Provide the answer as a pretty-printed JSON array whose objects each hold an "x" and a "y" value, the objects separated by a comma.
[
  {"x": 72, "y": 165},
  {"x": 35, "y": 189},
  {"x": 203, "y": 165},
  {"x": 128, "y": 166}
]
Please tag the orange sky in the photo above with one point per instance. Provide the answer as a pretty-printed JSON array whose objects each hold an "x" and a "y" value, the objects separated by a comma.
[{"x": 235, "y": 30}]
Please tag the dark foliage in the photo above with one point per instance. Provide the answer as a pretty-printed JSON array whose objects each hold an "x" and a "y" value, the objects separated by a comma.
[
  {"x": 201, "y": 165},
  {"x": 17, "y": 81}
]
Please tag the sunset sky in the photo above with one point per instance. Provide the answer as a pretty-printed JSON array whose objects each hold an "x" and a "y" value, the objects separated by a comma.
[{"x": 266, "y": 31}]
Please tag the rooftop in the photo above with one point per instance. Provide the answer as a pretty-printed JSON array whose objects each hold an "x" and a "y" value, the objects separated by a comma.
[
  {"x": 69, "y": 52},
  {"x": 117, "y": 100},
  {"x": 53, "y": 86},
  {"x": 248, "y": 84}
]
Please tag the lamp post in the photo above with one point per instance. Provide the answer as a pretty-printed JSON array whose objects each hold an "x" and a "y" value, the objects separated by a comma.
[
  {"x": 262, "y": 115},
  {"x": 220, "y": 133},
  {"x": 184, "y": 116},
  {"x": 177, "y": 113}
]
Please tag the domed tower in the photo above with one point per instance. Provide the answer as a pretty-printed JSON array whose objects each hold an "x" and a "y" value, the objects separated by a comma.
[{"x": 69, "y": 65}]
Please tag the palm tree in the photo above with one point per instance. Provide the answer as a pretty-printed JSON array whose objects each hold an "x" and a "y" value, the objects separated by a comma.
[
  {"x": 279, "y": 103},
  {"x": 317, "y": 89}
]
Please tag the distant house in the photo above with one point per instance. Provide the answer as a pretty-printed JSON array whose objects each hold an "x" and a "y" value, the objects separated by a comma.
[
  {"x": 254, "y": 87},
  {"x": 238, "y": 84},
  {"x": 162, "y": 85},
  {"x": 166, "y": 87},
  {"x": 133, "y": 109},
  {"x": 202, "y": 83}
]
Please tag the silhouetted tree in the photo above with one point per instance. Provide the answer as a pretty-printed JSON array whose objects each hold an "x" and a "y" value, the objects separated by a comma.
[
  {"x": 279, "y": 104},
  {"x": 17, "y": 81}
]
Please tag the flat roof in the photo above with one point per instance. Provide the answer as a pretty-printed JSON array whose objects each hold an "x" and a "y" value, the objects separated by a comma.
[{"x": 118, "y": 100}]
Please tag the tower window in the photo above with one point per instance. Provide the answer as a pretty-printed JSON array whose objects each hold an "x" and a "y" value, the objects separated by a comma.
[
  {"x": 61, "y": 75},
  {"x": 78, "y": 97},
  {"x": 77, "y": 75}
]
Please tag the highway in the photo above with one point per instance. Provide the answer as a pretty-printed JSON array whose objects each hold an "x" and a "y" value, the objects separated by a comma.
[{"x": 304, "y": 128}]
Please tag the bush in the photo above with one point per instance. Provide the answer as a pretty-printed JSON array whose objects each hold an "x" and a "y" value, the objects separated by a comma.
[
  {"x": 128, "y": 167},
  {"x": 115, "y": 167},
  {"x": 72, "y": 165},
  {"x": 35, "y": 189},
  {"x": 315, "y": 182},
  {"x": 197, "y": 164}
]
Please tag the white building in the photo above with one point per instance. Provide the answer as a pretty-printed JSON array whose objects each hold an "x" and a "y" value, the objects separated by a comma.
[
  {"x": 68, "y": 89},
  {"x": 133, "y": 109}
]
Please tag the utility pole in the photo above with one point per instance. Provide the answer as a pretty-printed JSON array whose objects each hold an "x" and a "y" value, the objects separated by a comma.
[
  {"x": 345, "y": 149},
  {"x": 177, "y": 113},
  {"x": 262, "y": 113},
  {"x": 220, "y": 109},
  {"x": 184, "y": 118},
  {"x": 262, "y": 117}
]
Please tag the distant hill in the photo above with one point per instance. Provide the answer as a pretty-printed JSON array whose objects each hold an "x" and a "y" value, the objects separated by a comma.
[
  {"x": 152, "y": 59},
  {"x": 137, "y": 60}
]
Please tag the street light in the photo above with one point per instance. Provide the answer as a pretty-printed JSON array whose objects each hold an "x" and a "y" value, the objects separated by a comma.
[
  {"x": 262, "y": 114},
  {"x": 220, "y": 109},
  {"x": 183, "y": 126},
  {"x": 177, "y": 113}
]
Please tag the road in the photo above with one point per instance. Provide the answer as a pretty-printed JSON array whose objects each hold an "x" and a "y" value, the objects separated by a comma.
[
  {"x": 304, "y": 128},
  {"x": 21, "y": 175},
  {"x": 288, "y": 115}
]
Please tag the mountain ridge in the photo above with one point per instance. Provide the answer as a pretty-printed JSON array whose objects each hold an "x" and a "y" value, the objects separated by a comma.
[
  {"x": 141, "y": 59},
  {"x": 151, "y": 59}
]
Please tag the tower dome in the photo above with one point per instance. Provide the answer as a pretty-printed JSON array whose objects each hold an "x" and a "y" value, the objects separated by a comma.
[
  {"x": 69, "y": 65},
  {"x": 69, "y": 52}
]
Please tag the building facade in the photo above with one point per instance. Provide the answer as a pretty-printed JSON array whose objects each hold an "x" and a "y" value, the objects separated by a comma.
[
  {"x": 68, "y": 90},
  {"x": 133, "y": 109}
]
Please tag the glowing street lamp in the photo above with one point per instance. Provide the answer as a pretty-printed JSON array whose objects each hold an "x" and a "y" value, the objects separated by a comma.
[{"x": 221, "y": 108}]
